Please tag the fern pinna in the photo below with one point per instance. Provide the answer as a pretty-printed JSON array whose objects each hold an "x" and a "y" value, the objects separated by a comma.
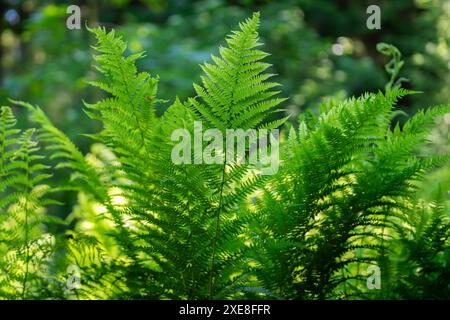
[{"x": 345, "y": 196}]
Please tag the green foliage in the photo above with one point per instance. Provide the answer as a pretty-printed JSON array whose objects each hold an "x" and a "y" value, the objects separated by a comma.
[
  {"x": 345, "y": 190},
  {"x": 420, "y": 265},
  {"x": 345, "y": 196},
  {"x": 41, "y": 57},
  {"x": 25, "y": 247}
]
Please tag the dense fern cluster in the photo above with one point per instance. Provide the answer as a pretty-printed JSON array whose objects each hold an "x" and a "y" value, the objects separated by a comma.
[{"x": 345, "y": 197}]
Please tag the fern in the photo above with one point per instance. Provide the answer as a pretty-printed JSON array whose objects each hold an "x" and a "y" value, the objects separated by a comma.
[
  {"x": 25, "y": 247},
  {"x": 345, "y": 197},
  {"x": 421, "y": 256},
  {"x": 346, "y": 186}
]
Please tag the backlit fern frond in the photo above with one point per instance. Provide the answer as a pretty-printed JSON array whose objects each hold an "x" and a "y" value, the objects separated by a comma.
[
  {"x": 347, "y": 184},
  {"x": 25, "y": 247}
]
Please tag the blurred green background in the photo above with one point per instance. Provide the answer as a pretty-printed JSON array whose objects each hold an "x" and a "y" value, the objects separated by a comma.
[{"x": 319, "y": 49}]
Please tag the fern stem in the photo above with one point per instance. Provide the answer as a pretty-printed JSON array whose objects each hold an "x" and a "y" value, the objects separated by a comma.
[
  {"x": 25, "y": 278},
  {"x": 27, "y": 248},
  {"x": 216, "y": 237}
]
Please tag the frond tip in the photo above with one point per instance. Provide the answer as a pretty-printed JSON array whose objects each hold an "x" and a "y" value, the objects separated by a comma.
[{"x": 235, "y": 92}]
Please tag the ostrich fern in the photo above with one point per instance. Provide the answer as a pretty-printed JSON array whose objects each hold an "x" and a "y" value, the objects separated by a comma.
[{"x": 344, "y": 197}]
